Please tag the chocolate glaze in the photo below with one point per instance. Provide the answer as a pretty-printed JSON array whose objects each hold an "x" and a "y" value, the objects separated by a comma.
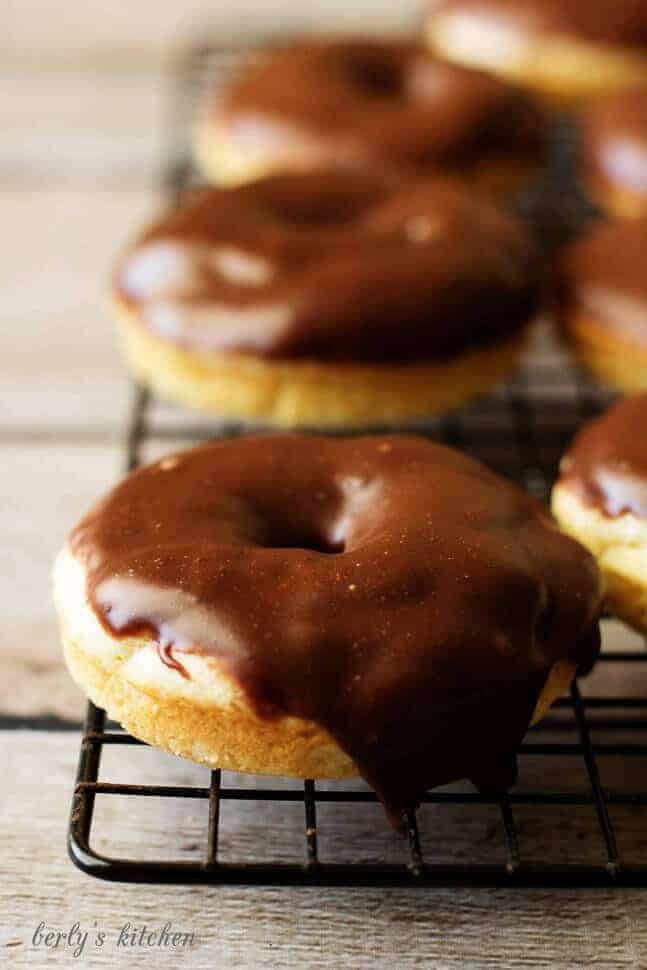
[
  {"x": 604, "y": 276},
  {"x": 373, "y": 103},
  {"x": 613, "y": 141},
  {"x": 607, "y": 463},
  {"x": 607, "y": 22},
  {"x": 389, "y": 589},
  {"x": 336, "y": 266},
  {"x": 168, "y": 658}
]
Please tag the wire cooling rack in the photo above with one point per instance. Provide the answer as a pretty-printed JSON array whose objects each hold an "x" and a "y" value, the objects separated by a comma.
[{"x": 520, "y": 431}]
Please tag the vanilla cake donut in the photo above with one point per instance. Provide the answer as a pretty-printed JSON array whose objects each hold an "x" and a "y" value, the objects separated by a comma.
[
  {"x": 328, "y": 299},
  {"x": 613, "y": 153},
  {"x": 565, "y": 50},
  {"x": 601, "y": 291},
  {"x": 327, "y": 607},
  {"x": 369, "y": 104},
  {"x": 601, "y": 499}
]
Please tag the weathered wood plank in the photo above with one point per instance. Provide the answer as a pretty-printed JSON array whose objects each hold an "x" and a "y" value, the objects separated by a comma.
[
  {"x": 79, "y": 113},
  {"x": 78, "y": 126},
  {"x": 260, "y": 928},
  {"x": 142, "y": 30},
  {"x": 58, "y": 363},
  {"x": 43, "y": 491}
]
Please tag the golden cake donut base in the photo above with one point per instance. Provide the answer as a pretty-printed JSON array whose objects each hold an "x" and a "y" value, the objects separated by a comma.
[
  {"x": 620, "y": 546},
  {"x": 618, "y": 362},
  {"x": 561, "y": 69},
  {"x": 205, "y": 718},
  {"x": 223, "y": 163},
  {"x": 294, "y": 393}
]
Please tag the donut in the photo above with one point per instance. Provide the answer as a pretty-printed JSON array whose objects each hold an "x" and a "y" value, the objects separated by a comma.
[
  {"x": 324, "y": 607},
  {"x": 601, "y": 499},
  {"x": 613, "y": 153},
  {"x": 328, "y": 299},
  {"x": 566, "y": 51},
  {"x": 369, "y": 104},
  {"x": 601, "y": 290}
]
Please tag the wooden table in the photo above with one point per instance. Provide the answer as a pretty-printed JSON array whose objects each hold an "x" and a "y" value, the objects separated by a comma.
[{"x": 77, "y": 165}]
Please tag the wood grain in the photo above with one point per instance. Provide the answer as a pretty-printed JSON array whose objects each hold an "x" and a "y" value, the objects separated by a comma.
[
  {"x": 262, "y": 928},
  {"x": 140, "y": 32},
  {"x": 80, "y": 127},
  {"x": 59, "y": 368},
  {"x": 43, "y": 491},
  {"x": 80, "y": 107}
]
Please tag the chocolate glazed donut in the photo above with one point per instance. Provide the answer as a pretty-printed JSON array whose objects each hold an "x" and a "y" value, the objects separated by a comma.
[
  {"x": 601, "y": 291},
  {"x": 374, "y": 105},
  {"x": 334, "y": 266},
  {"x": 565, "y": 50},
  {"x": 389, "y": 590},
  {"x": 601, "y": 500},
  {"x": 598, "y": 21},
  {"x": 607, "y": 463},
  {"x": 331, "y": 299}
]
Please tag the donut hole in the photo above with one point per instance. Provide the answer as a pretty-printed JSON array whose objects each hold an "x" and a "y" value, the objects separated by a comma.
[
  {"x": 303, "y": 537},
  {"x": 375, "y": 77},
  {"x": 328, "y": 517}
]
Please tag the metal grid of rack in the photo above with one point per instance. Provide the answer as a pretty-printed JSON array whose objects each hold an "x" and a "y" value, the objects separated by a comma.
[{"x": 521, "y": 432}]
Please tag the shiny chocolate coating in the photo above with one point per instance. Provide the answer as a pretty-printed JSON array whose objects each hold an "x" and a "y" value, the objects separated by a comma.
[
  {"x": 613, "y": 143},
  {"x": 378, "y": 104},
  {"x": 604, "y": 275},
  {"x": 389, "y": 589},
  {"x": 621, "y": 23},
  {"x": 607, "y": 463},
  {"x": 334, "y": 266}
]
